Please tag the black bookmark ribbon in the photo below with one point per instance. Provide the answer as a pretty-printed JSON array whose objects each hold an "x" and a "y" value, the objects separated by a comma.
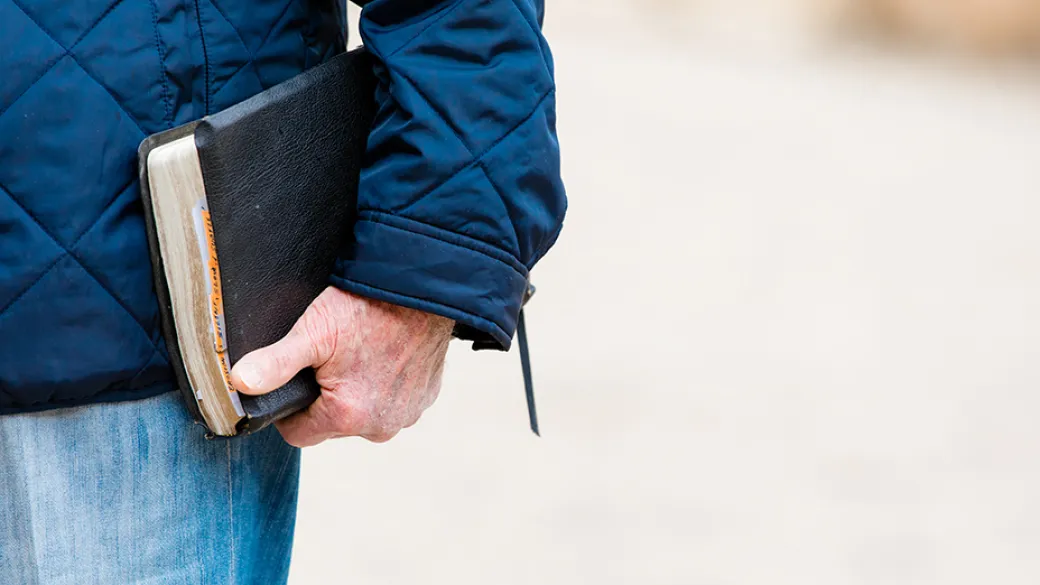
[
  {"x": 525, "y": 363},
  {"x": 525, "y": 359}
]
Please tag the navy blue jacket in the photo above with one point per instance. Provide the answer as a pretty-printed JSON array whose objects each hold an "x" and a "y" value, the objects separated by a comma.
[{"x": 460, "y": 196}]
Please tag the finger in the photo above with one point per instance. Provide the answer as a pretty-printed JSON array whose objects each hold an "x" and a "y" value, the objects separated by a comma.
[
  {"x": 307, "y": 427},
  {"x": 327, "y": 418},
  {"x": 380, "y": 436},
  {"x": 269, "y": 368}
]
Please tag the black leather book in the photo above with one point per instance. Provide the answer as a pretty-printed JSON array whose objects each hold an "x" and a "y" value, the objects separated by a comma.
[{"x": 246, "y": 211}]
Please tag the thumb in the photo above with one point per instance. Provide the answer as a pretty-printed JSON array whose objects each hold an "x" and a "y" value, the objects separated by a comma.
[{"x": 269, "y": 368}]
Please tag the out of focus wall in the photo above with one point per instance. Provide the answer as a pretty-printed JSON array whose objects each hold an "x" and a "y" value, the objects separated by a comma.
[
  {"x": 983, "y": 27},
  {"x": 994, "y": 27},
  {"x": 790, "y": 334}
]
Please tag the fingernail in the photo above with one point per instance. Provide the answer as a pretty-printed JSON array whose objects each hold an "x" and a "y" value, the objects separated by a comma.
[{"x": 250, "y": 375}]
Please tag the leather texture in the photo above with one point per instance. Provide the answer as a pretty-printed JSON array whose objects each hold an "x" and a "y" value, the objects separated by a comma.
[{"x": 281, "y": 172}]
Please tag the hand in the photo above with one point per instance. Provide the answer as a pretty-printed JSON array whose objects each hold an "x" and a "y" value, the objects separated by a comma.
[{"x": 379, "y": 367}]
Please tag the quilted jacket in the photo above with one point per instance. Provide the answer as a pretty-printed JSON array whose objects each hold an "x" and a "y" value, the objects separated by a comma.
[{"x": 460, "y": 196}]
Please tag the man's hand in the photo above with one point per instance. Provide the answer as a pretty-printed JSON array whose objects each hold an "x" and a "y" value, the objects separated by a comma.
[{"x": 379, "y": 367}]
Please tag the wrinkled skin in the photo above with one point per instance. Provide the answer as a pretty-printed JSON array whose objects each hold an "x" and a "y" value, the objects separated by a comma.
[{"x": 379, "y": 367}]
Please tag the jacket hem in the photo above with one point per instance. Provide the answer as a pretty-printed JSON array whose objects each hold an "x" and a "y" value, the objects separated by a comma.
[
  {"x": 101, "y": 398},
  {"x": 421, "y": 271}
]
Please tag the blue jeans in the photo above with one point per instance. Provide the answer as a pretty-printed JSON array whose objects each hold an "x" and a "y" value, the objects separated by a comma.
[{"x": 132, "y": 493}]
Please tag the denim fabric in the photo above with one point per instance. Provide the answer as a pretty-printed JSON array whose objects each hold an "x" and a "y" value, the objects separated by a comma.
[{"x": 132, "y": 493}]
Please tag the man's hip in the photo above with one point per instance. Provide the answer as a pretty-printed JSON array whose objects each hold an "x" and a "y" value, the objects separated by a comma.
[{"x": 131, "y": 492}]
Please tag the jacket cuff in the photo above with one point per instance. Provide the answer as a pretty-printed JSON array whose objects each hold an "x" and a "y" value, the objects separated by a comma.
[{"x": 419, "y": 266}]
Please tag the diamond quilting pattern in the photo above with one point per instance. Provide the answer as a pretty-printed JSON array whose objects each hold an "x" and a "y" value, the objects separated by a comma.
[
  {"x": 117, "y": 56},
  {"x": 28, "y": 53},
  {"x": 69, "y": 143},
  {"x": 115, "y": 352},
  {"x": 62, "y": 23},
  {"x": 252, "y": 63},
  {"x": 43, "y": 173},
  {"x": 250, "y": 31},
  {"x": 73, "y": 108},
  {"x": 115, "y": 252},
  {"x": 36, "y": 253}
]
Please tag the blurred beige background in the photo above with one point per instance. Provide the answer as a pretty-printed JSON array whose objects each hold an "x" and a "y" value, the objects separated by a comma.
[{"x": 790, "y": 334}]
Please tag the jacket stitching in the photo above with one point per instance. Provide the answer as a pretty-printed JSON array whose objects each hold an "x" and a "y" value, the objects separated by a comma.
[
  {"x": 350, "y": 281},
  {"x": 407, "y": 22},
  {"x": 65, "y": 53},
  {"x": 66, "y": 253},
  {"x": 458, "y": 136},
  {"x": 168, "y": 117},
  {"x": 3, "y": 310},
  {"x": 390, "y": 220},
  {"x": 77, "y": 262},
  {"x": 432, "y": 22},
  {"x": 537, "y": 35},
  {"x": 544, "y": 249},
  {"x": 82, "y": 35},
  {"x": 205, "y": 57},
  {"x": 70, "y": 55},
  {"x": 477, "y": 159},
  {"x": 277, "y": 21},
  {"x": 70, "y": 254},
  {"x": 115, "y": 297},
  {"x": 80, "y": 400},
  {"x": 119, "y": 104},
  {"x": 155, "y": 352},
  {"x": 227, "y": 82},
  {"x": 43, "y": 228},
  {"x": 238, "y": 34},
  {"x": 448, "y": 122},
  {"x": 240, "y": 69},
  {"x": 505, "y": 205},
  {"x": 251, "y": 59},
  {"x": 50, "y": 66},
  {"x": 261, "y": 45}
]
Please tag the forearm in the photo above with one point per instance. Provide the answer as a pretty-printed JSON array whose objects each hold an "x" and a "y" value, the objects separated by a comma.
[{"x": 461, "y": 194}]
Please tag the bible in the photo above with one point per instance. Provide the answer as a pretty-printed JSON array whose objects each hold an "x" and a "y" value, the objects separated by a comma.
[{"x": 246, "y": 211}]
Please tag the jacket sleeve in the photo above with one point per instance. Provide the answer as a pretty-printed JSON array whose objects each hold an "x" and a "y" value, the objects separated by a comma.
[{"x": 461, "y": 192}]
